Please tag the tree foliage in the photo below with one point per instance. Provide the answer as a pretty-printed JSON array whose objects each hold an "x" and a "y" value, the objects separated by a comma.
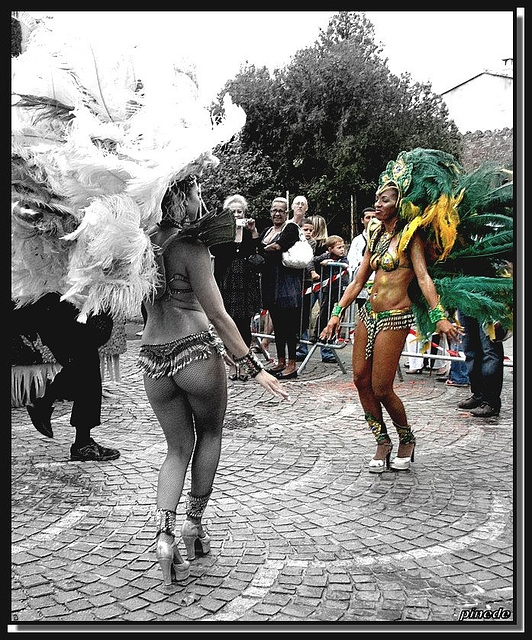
[
  {"x": 16, "y": 35},
  {"x": 326, "y": 125}
]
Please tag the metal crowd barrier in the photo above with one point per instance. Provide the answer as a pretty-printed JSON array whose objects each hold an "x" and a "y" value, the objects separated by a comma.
[
  {"x": 335, "y": 277},
  {"x": 332, "y": 276}
]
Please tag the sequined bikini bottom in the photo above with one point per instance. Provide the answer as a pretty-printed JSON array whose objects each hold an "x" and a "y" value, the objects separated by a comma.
[{"x": 157, "y": 360}]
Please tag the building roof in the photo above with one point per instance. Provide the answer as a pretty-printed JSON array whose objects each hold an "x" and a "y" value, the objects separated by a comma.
[{"x": 507, "y": 76}]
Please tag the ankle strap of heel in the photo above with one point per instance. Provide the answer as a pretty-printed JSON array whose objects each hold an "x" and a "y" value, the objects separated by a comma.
[
  {"x": 405, "y": 433},
  {"x": 165, "y": 522},
  {"x": 195, "y": 506}
]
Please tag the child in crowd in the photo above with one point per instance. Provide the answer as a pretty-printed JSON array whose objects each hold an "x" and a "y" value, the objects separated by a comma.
[
  {"x": 307, "y": 226},
  {"x": 330, "y": 292}
]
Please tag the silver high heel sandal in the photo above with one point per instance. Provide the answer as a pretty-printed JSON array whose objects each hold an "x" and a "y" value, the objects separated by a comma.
[
  {"x": 172, "y": 564},
  {"x": 406, "y": 438},
  {"x": 380, "y": 465},
  {"x": 195, "y": 537}
]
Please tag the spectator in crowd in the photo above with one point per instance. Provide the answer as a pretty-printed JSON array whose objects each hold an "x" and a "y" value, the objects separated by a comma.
[
  {"x": 308, "y": 231},
  {"x": 356, "y": 253},
  {"x": 237, "y": 278},
  {"x": 299, "y": 209},
  {"x": 110, "y": 354},
  {"x": 281, "y": 288},
  {"x": 330, "y": 292},
  {"x": 416, "y": 363},
  {"x": 485, "y": 368},
  {"x": 457, "y": 375},
  {"x": 320, "y": 234},
  {"x": 310, "y": 276}
]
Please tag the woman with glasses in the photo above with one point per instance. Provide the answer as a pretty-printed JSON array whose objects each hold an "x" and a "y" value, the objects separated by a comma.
[{"x": 281, "y": 288}]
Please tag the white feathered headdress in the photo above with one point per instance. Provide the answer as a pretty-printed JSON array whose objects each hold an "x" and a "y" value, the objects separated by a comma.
[{"x": 98, "y": 135}]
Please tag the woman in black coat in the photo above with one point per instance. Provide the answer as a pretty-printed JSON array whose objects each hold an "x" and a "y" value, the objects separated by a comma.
[
  {"x": 238, "y": 279},
  {"x": 282, "y": 288}
]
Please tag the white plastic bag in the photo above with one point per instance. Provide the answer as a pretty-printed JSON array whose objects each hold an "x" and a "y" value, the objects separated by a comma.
[{"x": 299, "y": 254}]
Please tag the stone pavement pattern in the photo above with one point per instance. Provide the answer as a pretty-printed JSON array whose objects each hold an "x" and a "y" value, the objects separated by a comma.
[{"x": 301, "y": 532}]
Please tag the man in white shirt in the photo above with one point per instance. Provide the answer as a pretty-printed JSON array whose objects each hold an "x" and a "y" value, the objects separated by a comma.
[
  {"x": 356, "y": 253},
  {"x": 299, "y": 211}
]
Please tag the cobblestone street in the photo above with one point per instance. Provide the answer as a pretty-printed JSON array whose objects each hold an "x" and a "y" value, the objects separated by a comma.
[{"x": 301, "y": 532}]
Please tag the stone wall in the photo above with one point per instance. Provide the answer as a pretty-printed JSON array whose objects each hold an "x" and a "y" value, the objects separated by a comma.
[{"x": 481, "y": 146}]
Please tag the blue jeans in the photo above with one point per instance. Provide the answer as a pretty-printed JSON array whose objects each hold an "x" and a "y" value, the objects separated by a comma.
[
  {"x": 326, "y": 352},
  {"x": 484, "y": 362},
  {"x": 302, "y": 348},
  {"x": 458, "y": 372},
  {"x": 458, "y": 369}
]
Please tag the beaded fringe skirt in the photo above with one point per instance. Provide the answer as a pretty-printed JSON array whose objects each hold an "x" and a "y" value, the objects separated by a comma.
[
  {"x": 158, "y": 360},
  {"x": 376, "y": 321}
]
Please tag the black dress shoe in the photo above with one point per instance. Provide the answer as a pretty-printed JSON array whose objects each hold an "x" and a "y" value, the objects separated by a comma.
[
  {"x": 40, "y": 413},
  {"x": 485, "y": 411},
  {"x": 93, "y": 452},
  {"x": 288, "y": 376},
  {"x": 470, "y": 403}
]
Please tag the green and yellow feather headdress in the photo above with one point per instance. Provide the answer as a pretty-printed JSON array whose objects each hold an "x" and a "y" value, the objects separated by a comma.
[{"x": 426, "y": 181}]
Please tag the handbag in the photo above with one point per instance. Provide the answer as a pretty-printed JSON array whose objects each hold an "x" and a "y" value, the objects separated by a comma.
[
  {"x": 256, "y": 262},
  {"x": 299, "y": 254}
]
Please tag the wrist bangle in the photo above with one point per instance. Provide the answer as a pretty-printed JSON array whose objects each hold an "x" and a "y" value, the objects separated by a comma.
[
  {"x": 249, "y": 363},
  {"x": 437, "y": 313},
  {"x": 337, "y": 311}
]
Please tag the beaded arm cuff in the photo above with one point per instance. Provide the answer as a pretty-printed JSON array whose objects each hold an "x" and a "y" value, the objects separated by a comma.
[
  {"x": 437, "y": 314},
  {"x": 337, "y": 311},
  {"x": 249, "y": 363}
]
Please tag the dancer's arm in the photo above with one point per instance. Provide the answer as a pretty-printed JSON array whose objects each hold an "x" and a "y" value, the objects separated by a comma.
[
  {"x": 198, "y": 264},
  {"x": 428, "y": 289}
]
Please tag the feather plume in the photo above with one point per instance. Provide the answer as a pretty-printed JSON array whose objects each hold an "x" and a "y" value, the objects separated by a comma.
[
  {"x": 112, "y": 263},
  {"x": 98, "y": 135},
  {"x": 39, "y": 256},
  {"x": 486, "y": 299}
]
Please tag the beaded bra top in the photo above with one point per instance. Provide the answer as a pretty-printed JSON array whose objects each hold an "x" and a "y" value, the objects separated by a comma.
[{"x": 379, "y": 245}]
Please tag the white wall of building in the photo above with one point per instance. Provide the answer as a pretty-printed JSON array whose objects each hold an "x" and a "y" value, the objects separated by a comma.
[{"x": 483, "y": 103}]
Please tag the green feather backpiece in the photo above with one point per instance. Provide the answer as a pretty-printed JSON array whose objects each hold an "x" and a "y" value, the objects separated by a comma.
[
  {"x": 475, "y": 277},
  {"x": 492, "y": 244},
  {"x": 486, "y": 299},
  {"x": 434, "y": 173},
  {"x": 488, "y": 188}
]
